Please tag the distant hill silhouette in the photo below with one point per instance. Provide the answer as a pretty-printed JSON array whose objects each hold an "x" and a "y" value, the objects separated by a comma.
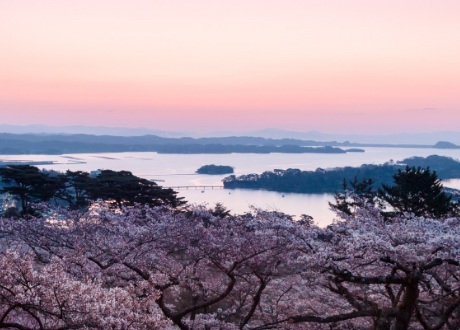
[
  {"x": 268, "y": 133},
  {"x": 84, "y": 143},
  {"x": 446, "y": 145},
  {"x": 11, "y": 144}
]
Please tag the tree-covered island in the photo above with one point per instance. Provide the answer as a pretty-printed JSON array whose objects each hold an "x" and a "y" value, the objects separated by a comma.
[
  {"x": 331, "y": 180},
  {"x": 20, "y": 144},
  {"x": 215, "y": 169}
]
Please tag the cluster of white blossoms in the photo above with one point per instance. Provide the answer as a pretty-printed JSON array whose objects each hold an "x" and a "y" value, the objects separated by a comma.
[{"x": 160, "y": 268}]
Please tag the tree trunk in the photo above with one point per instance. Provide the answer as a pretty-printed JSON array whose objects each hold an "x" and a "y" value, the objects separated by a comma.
[{"x": 407, "y": 307}]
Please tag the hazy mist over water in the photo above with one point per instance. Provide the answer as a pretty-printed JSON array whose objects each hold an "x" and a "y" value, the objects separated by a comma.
[{"x": 179, "y": 170}]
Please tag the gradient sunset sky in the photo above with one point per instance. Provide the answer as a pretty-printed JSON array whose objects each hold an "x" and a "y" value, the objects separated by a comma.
[{"x": 343, "y": 66}]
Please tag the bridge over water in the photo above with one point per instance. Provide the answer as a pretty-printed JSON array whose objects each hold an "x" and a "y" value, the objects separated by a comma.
[{"x": 196, "y": 187}]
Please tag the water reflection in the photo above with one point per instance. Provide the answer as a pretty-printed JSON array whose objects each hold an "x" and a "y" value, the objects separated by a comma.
[
  {"x": 239, "y": 201},
  {"x": 179, "y": 170},
  {"x": 452, "y": 183}
]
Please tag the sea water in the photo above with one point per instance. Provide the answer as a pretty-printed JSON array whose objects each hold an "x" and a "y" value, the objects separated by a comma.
[{"x": 174, "y": 170}]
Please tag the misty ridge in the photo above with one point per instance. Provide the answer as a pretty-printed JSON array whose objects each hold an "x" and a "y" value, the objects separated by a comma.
[
  {"x": 60, "y": 144},
  {"x": 427, "y": 138},
  {"x": 53, "y": 144}
]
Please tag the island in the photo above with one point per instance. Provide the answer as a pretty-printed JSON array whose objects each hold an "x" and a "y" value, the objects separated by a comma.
[
  {"x": 446, "y": 145},
  {"x": 330, "y": 180},
  {"x": 26, "y": 162},
  {"x": 215, "y": 169},
  {"x": 354, "y": 150},
  {"x": 58, "y": 144},
  {"x": 23, "y": 144}
]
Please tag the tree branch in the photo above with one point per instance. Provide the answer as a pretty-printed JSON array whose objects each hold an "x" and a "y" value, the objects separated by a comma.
[
  {"x": 255, "y": 301},
  {"x": 328, "y": 319}
]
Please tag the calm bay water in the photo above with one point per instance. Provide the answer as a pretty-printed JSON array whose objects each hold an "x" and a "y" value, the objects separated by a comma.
[{"x": 178, "y": 170}]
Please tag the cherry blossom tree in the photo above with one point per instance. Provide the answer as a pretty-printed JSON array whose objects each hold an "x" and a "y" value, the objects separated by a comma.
[
  {"x": 201, "y": 270},
  {"x": 369, "y": 273},
  {"x": 48, "y": 298},
  {"x": 159, "y": 268}
]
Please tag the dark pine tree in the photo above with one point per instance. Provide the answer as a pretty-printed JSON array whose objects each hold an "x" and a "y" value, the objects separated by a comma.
[
  {"x": 417, "y": 191},
  {"x": 74, "y": 188},
  {"x": 220, "y": 211},
  {"x": 28, "y": 185},
  {"x": 124, "y": 189},
  {"x": 359, "y": 193}
]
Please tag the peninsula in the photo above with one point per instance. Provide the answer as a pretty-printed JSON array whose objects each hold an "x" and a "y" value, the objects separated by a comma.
[{"x": 330, "y": 180}]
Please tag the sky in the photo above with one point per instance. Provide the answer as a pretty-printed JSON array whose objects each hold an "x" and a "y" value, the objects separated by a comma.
[{"x": 336, "y": 66}]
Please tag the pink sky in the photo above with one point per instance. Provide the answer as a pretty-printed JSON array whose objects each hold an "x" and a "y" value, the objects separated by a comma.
[{"x": 203, "y": 65}]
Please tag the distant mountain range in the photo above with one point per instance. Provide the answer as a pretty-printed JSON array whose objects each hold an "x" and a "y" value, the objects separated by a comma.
[
  {"x": 269, "y": 133},
  {"x": 92, "y": 130},
  {"x": 402, "y": 138},
  {"x": 47, "y": 143},
  {"x": 57, "y": 144}
]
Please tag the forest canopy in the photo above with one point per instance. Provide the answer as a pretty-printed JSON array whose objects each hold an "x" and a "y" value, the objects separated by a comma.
[
  {"x": 76, "y": 189},
  {"x": 215, "y": 169},
  {"x": 330, "y": 180}
]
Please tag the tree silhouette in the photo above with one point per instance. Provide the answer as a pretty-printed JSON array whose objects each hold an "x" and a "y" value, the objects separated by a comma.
[
  {"x": 124, "y": 189},
  {"x": 74, "y": 188},
  {"x": 28, "y": 184},
  {"x": 417, "y": 191},
  {"x": 220, "y": 211},
  {"x": 360, "y": 193}
]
